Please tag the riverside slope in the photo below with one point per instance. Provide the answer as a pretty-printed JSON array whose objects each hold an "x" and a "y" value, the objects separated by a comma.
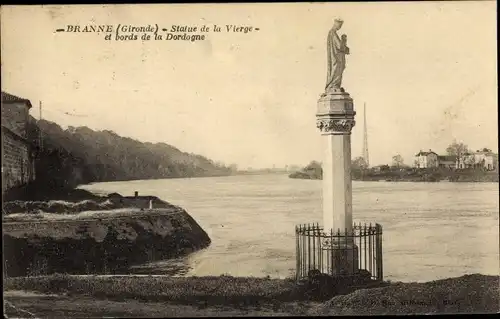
[
  {"x": 225, "y": 296},
  {"x": 101, "y": 241}
]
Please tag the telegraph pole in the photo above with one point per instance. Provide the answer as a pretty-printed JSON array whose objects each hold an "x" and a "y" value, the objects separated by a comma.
[{"x": 40, "y": 130}]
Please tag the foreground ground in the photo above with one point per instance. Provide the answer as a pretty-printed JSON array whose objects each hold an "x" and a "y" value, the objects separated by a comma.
[{"x": 161, "y": 296}]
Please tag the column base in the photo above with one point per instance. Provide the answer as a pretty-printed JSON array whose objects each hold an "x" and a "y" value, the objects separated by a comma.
[{"x": 340, "y": 260}]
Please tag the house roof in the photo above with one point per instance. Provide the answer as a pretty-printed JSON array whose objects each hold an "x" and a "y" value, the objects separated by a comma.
[
  {"x": 10, "y": 98},
  {"x": 421, "y": 153},
  {"x": 485, "y": 153},
  {"x": 481, "y": 153},
  {"x": 449, "y": 158}
]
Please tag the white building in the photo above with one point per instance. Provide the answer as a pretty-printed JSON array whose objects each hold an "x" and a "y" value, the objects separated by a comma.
[
  {"x": 447, "y": 161},
  {"x": 426, "y": 159},
  {"x": 480, "y": 159}
]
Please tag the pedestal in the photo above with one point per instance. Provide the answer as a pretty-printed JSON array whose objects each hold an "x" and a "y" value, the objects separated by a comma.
[
  {"x": 335, "y": 120},
  {"x": 340, "y": 260}
]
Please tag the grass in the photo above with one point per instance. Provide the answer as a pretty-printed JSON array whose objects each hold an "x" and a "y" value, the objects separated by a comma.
[
  {"x": 221, "y": 290},
  {"x": 95, "y": 214},
  {"x": 247, "y": 295},
  {"x": 58, "y": 206},
  {"x": 50, "y": 209},
  {"x": 86, "y": 307},
  {"x": 465, "y": 294}
]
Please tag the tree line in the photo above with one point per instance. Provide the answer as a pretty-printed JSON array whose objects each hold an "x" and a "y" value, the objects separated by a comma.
[{"x": 79, "y": 155}]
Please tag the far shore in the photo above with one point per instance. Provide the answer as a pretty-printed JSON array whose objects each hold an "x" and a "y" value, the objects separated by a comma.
[{"x": 408, "y": 175}]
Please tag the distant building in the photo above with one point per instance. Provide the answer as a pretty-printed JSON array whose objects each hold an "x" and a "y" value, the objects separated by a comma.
[
  {"x": 18, "y": 165},
  {"x": 447, "y": 161},
  {"x": 485, "y": 159},
  {"x": 426, "y": 159}
]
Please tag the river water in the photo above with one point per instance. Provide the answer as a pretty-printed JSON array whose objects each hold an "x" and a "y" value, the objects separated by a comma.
[{"x": 431, "y": 230}]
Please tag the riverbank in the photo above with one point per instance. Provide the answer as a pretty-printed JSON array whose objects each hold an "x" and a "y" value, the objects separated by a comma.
[
  {"x": 101, "y": 235},
  {"x": 147, "y": 296},
  {"x": 409, "y": 175}
]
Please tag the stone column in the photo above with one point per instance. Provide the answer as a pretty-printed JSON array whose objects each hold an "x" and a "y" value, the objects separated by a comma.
[{"x": 335, "y": 120}]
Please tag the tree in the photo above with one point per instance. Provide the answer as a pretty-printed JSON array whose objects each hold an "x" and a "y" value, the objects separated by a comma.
[
  {"x": 81, "y": 155},
  {"x": 313, "y": 166},
  {"x": 359, "y": 163},
  {"x": 233, "y": 168},
  {"x": 397, "y": 161},
  {"x": 415, "y": 163},
  {"x": 457, "y": 149}
]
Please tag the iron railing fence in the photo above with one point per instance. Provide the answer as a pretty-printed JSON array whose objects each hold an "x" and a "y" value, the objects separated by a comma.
[{"x": 346, "y": 252}]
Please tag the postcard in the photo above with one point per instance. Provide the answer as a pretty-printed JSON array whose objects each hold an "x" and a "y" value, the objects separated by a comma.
[{"x": 172, "y": 160}]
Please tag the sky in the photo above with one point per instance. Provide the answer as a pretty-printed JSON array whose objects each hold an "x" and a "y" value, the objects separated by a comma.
[{"x": 427, "y": 72}]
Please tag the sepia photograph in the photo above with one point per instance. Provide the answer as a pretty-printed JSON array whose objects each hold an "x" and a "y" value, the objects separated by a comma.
[{"x": 250, "y": 159}]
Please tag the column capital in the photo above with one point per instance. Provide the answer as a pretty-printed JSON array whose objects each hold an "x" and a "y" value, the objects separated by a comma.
[
  {"x": 329, "y": 125},
  {"x": 335, "y": 113}
]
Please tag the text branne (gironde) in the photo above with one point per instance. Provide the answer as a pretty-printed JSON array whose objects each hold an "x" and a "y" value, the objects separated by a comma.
[{"x": 155, "y": 32}]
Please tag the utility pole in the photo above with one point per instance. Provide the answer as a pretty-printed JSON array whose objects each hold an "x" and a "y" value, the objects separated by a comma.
[{"x": 40, "y": 130}]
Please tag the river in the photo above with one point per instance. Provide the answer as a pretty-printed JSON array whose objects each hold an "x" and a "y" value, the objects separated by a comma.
[{"x": 431, "y": 230}]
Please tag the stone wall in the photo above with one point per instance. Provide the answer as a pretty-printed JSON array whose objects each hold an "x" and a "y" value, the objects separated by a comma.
[
  {"x": 17, "y": 168},
  {"x": 17, "y": 164},
  {"x": 104, "y": 242}
]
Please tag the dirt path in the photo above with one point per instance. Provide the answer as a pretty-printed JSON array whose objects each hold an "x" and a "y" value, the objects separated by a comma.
[{"x": 20, "y": 304}]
